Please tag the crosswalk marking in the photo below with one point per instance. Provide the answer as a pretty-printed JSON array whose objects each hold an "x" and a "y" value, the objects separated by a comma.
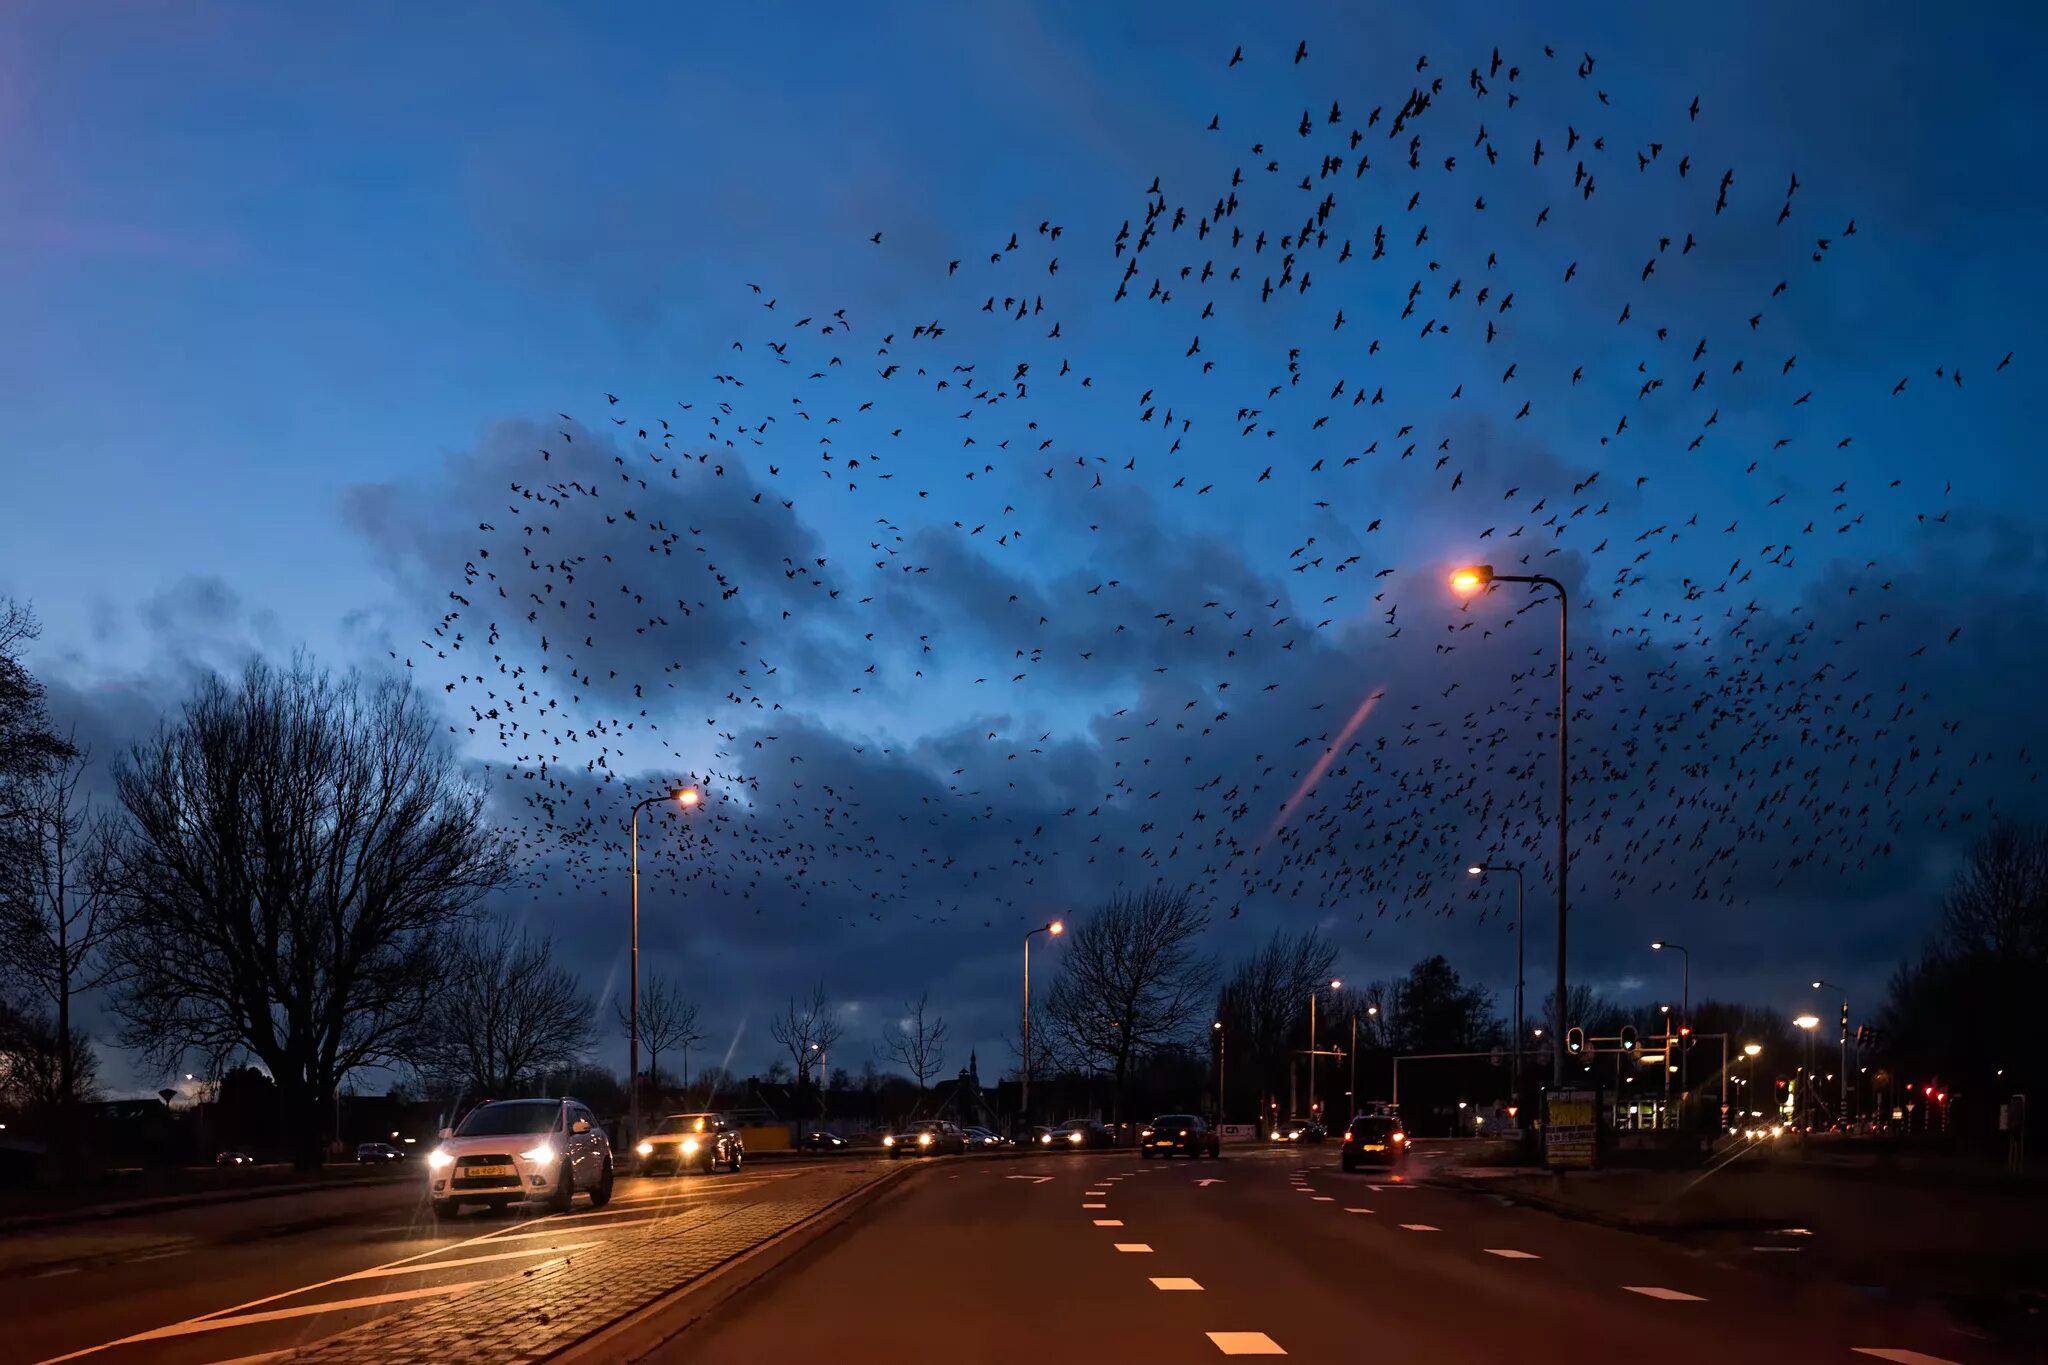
[{"x": 1246, "y": 1344}]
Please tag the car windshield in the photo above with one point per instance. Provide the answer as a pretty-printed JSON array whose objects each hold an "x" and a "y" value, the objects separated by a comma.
[
  {"x": 688, "y": 1123},
  {"x": 1078, "y": 1123},
  {"x": 504, "y": 1120},
  {"x": 1175, "y": 1121}
]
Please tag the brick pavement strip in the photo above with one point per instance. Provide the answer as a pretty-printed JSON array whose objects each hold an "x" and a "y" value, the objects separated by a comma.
[{"x": 532, "y": 1316}]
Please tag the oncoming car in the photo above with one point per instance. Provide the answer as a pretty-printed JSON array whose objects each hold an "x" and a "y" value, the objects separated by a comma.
[
  {"x": 926, "y": 1137},
  {"x": 508, "y": 1151},
  {"x": 687, "y": 1141}
]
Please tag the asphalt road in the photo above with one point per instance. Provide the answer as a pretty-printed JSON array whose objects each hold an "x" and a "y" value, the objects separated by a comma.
[
  {"x": 1105, "y": 1257},
  {"x": 232, "y": 1281}
]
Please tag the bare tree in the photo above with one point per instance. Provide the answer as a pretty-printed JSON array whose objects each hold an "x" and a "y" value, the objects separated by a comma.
[
  {"x": 916, "y": 1046},
  {"x": 1999, "y": 903},
  {"x": 667, "y": 1021},
  {"x": 298, "y": 850},
  {"x": 56, "y": 916},
  {"x": 1130, "y": 983},
  {"x": 505, "y": 1015},
  {"x": 807, "y": 1029},
  {"x": 28, "y": 745},
  {"x": 1262, "y": 1007}
]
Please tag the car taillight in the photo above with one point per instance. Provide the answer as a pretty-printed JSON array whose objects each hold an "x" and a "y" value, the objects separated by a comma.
[{"x": 1400, "y": 1137}]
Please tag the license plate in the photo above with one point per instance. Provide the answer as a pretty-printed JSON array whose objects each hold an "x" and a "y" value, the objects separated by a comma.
[
  {"x": 1375, "y": 1146},
  {"x": 1164, "y": 1142},
  {"x": 488, "y": 1170}
]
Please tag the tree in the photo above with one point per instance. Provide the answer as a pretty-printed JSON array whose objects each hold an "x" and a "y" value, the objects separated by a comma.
[
  {"x": 1130, "y": 982},
  {"x": 56, "y": 914},
  {"x": 667, "y": 1021},
  {"x": 43, "y": 1074},
  {"x": 1262, "y": 1006},
  {"x": 505, "y": 1016},
  {"x": 28, "y": 744},
  {"x": 1431, "y": 1009},
  {"x": 807, "y": 1029},
  {"x": 298, "y": 851},
  {"x": 916, "y": 1046}
]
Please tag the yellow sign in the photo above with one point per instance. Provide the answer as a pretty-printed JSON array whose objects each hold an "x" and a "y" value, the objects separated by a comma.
[{"x": 1572, "y": 1127}]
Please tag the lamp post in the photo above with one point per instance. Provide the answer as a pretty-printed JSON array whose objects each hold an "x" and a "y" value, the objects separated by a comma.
[
  {"x": 685, "y": 798},
  {"x": 1217, "y": 1029},
  {"x": 1312, "y": 1111},
  {"x": 1684, "y": 1009},
  {"x": 1480, "y": 870},
  {"x": 1809, "y": 1023},
  {"x": 1054, "y": 928},
  {"x": 1749, "y": 1055},
  {"x": 1829, "y": 985},
  {"x": 1471, "y": 580}
]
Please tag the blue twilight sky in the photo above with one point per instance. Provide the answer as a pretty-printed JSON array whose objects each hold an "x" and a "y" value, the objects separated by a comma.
[{"x": 298, "y": 292}]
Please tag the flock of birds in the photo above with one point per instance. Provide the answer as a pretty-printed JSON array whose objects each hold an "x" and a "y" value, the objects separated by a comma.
[{"x": 1141, "y": 613}]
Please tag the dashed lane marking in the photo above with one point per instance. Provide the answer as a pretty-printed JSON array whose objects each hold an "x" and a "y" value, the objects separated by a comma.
[
  {"x": 1246, "y": 1344},
  {"x": 1109, "y": 1222},
  {"x": 1901, "y": 1357},
  {"x": 1174, "y": 1282},
  {"x": 1513, "y": 1255},
  {"x": 1421, "y": 1227},
  {"x": 1659, "y": 1292},
  {"x": 1138, "y": 1247},
  {"x": 1095, "y": 1206},
  {"x": 1324, "y": 1199},
  {"x": 1358, "y": 1210}
]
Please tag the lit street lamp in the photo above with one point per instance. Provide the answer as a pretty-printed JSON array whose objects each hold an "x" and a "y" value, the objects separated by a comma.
[
  {"x": 1468, "y": 581},
  {"x": 1335, "y": 986},
  {"x": 684, "y": 797},
  {"x": 1217, "y": 1029},
  {"x": 1480, "y": 870},
  {"x": 1808, "y": 1022},
  {"x": 1829, "y": 985},
  {"x": 1684, "y": 1007},
  {"x": 1054, "y": 928}
]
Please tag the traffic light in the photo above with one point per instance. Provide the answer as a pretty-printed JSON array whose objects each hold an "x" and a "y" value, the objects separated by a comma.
[
  {"x": 1628, "y": 1037},
  {"x": 1575, "y": 1040},
  {"x": 1685, "y": 1036}
]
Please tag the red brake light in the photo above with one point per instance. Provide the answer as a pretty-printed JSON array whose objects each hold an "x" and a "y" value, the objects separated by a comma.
[{"x": 1400, "y": 1137}]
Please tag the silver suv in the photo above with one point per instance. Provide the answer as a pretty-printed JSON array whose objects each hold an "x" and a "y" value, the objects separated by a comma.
[{"x": 507, "y": 1151}]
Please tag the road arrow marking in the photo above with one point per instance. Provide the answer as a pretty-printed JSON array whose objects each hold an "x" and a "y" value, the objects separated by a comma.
[{"x": 1212, "y": 1180}]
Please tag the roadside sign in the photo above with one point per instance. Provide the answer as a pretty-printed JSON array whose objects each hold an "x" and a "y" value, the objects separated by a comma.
[{"x": 1571, "y": 1128}]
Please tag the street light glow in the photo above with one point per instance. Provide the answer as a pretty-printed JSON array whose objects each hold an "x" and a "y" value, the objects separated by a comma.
[
  {"x": 1751, "y": 1049},
  {"x": 1476, "y": 870},
  {"x": 688, "y": 796},
  {"x": 1657, "y": 945},
  {"x": 1807, "y": 1021},
  {"x": 1336, "y": 985},
  {"x": 1056, "y": 928},
  {"x": 1472, "y": 578}
]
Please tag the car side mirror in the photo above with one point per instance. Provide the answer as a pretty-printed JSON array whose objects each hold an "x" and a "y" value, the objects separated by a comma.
[
  {"x": 580, "y": 1126},
  {"x": 447, "y": 1132}
]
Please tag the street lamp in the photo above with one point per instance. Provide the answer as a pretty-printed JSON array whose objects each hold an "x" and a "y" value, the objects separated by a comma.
[
  {"x": 1808, "y": 1022},
  {"x": 685, "y": 798},
  {"x": 1335, "y": 986},
  {"x": 1054, "y": 928},
  {"x": 1480, "y": 870},
  {"x": 1829, "y": 985},
  {"x": 1468, "y": 581},
  {"x": 1684, "y": 1006},
  {"x": 1217, "y": 1028}
]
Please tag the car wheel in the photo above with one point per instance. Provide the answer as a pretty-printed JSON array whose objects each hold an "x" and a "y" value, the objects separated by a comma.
[
  {"x": 565, "y": 1189},
  {"x": 602, "y": 1195},
  {"x": 738, "y": 1157},
  {"x": 444, "y": 1208}
]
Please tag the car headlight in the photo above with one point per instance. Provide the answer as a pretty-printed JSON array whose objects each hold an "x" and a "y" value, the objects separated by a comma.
[
  {"x": 924, "y": 1139},
  {"x": 543, "y": 1153},
  {"x": 888, "y": 1139},
  {"x": 690, "y": 1146},
  {"x": 645, "y": 1149},
  {"x": 1073, "y": 1137},
  {"x": 1045, "y": 1138},
  {"x": 439, "y": 1159}
]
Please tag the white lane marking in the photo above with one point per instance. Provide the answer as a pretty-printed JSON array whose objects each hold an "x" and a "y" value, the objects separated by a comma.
[
  {"x": 1777, "y": 1248},
  {"x": 160, "y": 1255},
  {"x": 1095, "y": 1206},
  {"x": 1324, "y": 1199},
  {"x": 1513, "y": 1255},
  {"x": 1420, "y": 1227},
  {"x": 1174, "y": 1282},
  {"x": 1358, "y": 1210},
  {"x": 1659, "y": 1292},
  {"x": 1108, "y": 1222},
  {"x": 1096, "y": 1194},
  {"x": 521, "y": 1237},
  {"x": 1246, "y": 1344},
  {"x": 53, "y": 1274},
  {"x": 1205, "y": 1184},
  {"x": 1034, "y": 1179},
  {"x": 304, "y": 1310},
  {"x": 422, "y": 1267},
  {"x": 1382, "y": 1189},
  {"x": 1133, "y": 1246},
  {"x": 1901, "y": 1357}
]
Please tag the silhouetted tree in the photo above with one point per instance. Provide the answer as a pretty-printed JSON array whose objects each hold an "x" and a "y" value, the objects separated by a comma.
[
  {"x": 667, "y": 1021},
  {"x": 916, "y": 1045},
  {"x": 298, "y": 849},
  {"x": 1263, "y": 1009},
  {"x": 807, "y": 1028},
  {"x": 505, "y": 1015}
]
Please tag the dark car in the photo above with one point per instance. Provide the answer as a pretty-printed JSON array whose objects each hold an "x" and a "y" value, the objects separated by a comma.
[
  {"x": 1300, "y": 1130},
  {"x": 927, "y": 1137},
  {"x": 686, "y": 1142},
  {"x": 820, "y": 1141},
  {"x": 1374, "y": 1140},
  {"x": 1082, "y": 1135},
  {"x": 377, "y": 1153},
  {"x": 234, "y": 1159},
  {"x": 1178, "y": 1135}
]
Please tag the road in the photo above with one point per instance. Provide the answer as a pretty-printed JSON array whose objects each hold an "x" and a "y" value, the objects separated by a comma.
[
  {"x": 231, "y": 1281},
  {"x": 1104, "y": 1257}
]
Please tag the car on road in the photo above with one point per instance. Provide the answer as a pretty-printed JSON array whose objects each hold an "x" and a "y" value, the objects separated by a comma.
[
  {"x": 927, "y": 1137},
  {"x": 1082, "y": 1135},
  {"x": 1043, "y": 1136},
  {"x": 984, "y": 1137},
  {"x": 511, "y": 1151},
  {"x": 1178, "y": 1135},
  {"x": 1374, "y": 1140},
  {"x": 683, "y": 1142},
  {"x": 821, "y": 1141},
  {"x": 1300, "y": 1130},
  {"x": 377, "y": 1153},
  {"x": 234, "y": 1159}
]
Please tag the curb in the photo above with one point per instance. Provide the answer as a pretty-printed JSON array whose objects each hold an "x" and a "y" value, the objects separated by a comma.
[
  {"x": 643, "y": 1331},
  {"x": 172, "y": 1203}
]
